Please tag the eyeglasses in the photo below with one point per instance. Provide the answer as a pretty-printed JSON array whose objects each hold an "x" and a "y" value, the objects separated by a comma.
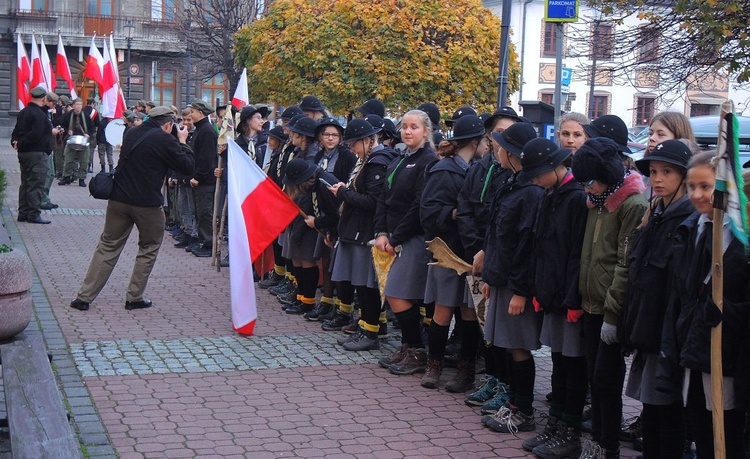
[
  {"x": 589, "y": 184},
  {"x": 331, "y": 135}
]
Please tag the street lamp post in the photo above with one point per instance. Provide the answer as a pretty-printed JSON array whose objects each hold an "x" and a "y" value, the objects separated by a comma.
[{"x": 129, "y": 38}]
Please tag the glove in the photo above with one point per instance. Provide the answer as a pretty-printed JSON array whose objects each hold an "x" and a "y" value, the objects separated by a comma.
[
  {"x": 537, "y": 306},
  {"x": 609, "y": 333},
  {"x": 574, "y": 315}
]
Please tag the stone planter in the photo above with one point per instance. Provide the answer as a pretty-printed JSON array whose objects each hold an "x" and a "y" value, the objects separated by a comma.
[{"x": 15, "y": 294}]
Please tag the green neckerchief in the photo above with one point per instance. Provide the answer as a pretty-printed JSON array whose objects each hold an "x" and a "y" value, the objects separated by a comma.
[
  {"x": 393, "y": 174},
  {"x": 487, "y": 179}
]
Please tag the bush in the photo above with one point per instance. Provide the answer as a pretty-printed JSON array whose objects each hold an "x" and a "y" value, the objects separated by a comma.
[{"x": 3, "y": 185}]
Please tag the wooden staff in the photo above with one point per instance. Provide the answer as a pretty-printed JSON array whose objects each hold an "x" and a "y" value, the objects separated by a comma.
[
  {"x": 214, "y": 219},
  {"x": 221, "y": 228}
]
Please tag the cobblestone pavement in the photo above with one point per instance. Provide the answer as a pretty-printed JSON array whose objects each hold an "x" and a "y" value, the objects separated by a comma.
[{"x": 176, "y": 381}]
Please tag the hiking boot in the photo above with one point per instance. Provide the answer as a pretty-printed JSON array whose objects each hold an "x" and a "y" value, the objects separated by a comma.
[
  {"x": 351, "y": 328},
  {"x": 82, "y": 183},
  {"x": 549, "y": 432},
  {"x": 511, "y": 421},
  {"x": 464, "y": 378},
  {"x": 330, "y": 314},
  {"x": 484, "y": 393},
  {"x": 319, "y": 309},
  {"x": 415, "y": 361},
  {"x": 498, "y": 401},
  {"x": 383, "y": 332},
  {"x": 287, "y": 298},
  {"x": 431, "y": 377},
  {"x": 298, "y": 308},
  {"x": 451, "y": 360},
  {"x": 271, "y": 280},
  {"x": 632, "y": 430},
  {"x": 283, "y": 287},
  {"x": 338, "y": 322},
  {"x": 346, "y": 338},
  {"x": 363, "y": 341},
  {"x": 565, "y": 443},
  {"x": 387, "y": 360}
]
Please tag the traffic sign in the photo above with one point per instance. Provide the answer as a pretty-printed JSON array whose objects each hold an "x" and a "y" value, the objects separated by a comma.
[
  {"x": 548, "y": 131},
  {"x": 565, "y": 76},
  {"x": 561, "y": 10}
]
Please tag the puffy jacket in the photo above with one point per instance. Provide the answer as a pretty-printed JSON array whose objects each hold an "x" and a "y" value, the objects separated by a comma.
[
  {"x": 482, "y": 181},
  {"x": 558, "y": 240},
  {"x": 439, "y": 200},
  {"x": 604, "y": 258},
  {"x": 359, "y": 203},
  {"x": 398, "y": 205},
  {"x": 508, "y": 246},
  {"x": 650, "y": 266}
]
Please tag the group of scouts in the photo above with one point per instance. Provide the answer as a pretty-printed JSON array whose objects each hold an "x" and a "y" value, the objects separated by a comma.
[{"x": 574, "y": 250}]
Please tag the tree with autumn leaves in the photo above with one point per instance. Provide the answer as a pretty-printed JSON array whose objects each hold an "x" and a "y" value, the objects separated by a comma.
[{"x": 403, "y": 52}]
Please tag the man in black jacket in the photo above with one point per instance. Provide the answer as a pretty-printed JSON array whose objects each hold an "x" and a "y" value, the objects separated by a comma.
[
  {"x": 32, "y": 138},
  {"x": 148, "y": 152},
  {"x": 205, "y": 146}
]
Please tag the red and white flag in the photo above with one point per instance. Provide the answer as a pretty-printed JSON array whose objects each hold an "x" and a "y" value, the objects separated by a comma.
[
  {"x": 94, "y": 65},
  {"x": 109, "y": 85},
  {"x": 23, "y": 75},
  {"x": 47, "y": 70},
  {"x": 257, "y": 212},
  {"x": 63, "y": 68},
  {"x": 241, "y": 97},
  {"x": 120, "y": 103},
  {"x": 37, "y": 73}
]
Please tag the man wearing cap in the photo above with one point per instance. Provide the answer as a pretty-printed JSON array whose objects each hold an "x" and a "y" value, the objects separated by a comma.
[
  {"x": 50, "y": 101},
  {"x": 205, "y": 147},
  {"x": 148, "y": 152},
  {"x": 32, "y": 138},
  {"x": 76, "y": 123}
]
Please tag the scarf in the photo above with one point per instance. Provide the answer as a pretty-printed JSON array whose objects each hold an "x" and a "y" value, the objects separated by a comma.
[{"x": 598, "y": 200}]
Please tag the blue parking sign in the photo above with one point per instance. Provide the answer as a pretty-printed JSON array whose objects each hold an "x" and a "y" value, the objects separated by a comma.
[{"x": 561, "y": 11}]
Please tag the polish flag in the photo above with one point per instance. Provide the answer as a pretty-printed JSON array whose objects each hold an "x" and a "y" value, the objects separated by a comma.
[
  {"x": 257, "y": 212},
  {"x": 23, "y": 75},
  {"x": 94, "y": 65},
  {"x": 47, "y": 70},
  {"x": 37, "y": 73},
  {"x": 108, "y": 87},
  {"x": 63, "y": 68},
  {"x": 120, "y": 104},
  {"x": 241, "y": 97}
]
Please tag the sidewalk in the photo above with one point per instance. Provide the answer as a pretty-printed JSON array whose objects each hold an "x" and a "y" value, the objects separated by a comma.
[{"x": 176, "y": 381}]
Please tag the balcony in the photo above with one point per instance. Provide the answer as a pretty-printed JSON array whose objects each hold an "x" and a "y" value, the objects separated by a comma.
[{"x": 77, "y": 29}]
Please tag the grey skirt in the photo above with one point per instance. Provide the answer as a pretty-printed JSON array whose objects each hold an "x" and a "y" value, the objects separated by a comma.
[
  {"x": 445, "y": 287},
  {"x": 511, "y": 332},
  {"x": 408, "y": 274},
  {"x": 563, "y": 336},
  {"x": 353, "y": 263},
  {"x": 304, "y": 250},
  {"x": 642, "y": 381},
  {"x": 321, "y": 249}
]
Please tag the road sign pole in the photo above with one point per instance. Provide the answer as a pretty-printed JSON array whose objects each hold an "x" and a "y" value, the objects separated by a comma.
[
  {"x": 558, "y": 71},
  {"x": 502, "y": 81}
]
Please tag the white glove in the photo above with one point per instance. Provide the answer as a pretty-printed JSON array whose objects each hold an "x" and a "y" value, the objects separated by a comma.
[{"x": 609, "y": 333}]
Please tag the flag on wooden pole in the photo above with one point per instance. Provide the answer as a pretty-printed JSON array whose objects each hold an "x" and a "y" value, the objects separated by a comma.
[
  {"x": 241, "y": 97},
  {"x": 63, "y": 67},
  {"x": 37, "y": 74},
  {"x": 23, "y": 75},
  {"x": 94, "y": 65},
  {"x": 47, "y": 70}
]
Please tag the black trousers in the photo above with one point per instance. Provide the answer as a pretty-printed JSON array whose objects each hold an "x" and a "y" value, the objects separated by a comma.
[
  {"x": 606, "y": 374},
  {"x": 34, "y": 167},
  {"x": 204, "y": 211}
]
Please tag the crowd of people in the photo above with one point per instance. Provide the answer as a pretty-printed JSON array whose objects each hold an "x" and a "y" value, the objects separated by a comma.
[{"x": 572, "y": 245}]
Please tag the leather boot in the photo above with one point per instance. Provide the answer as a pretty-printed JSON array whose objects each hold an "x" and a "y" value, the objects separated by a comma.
[
  {"x": 464, "y": 377},
  {"x": 431, "y": 377}
]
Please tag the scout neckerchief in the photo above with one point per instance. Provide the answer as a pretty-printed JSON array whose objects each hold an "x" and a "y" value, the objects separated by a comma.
[
  {"x": 392, "y": 175},
  {"x": 353, "y": 177}
]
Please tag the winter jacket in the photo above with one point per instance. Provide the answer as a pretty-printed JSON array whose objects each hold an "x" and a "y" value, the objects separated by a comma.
[
  {"x": 33, "y": 130},
  {"x": 80, "y": 124},
  {"x": 439, "y": 199},
  {"x": 558, "y": 239},
  {"x": 325, "y": 212},
  {"x": 397, "y": 212},
  {"x": 277, "y": 167},
  {"x": 356, "y": 223},
  {"x": 650, "y": 267},
  {"x": 261, "y": 145},
  {"x": 475, "y": 202},
  {"x": 344, "y": 163},
  {"x": 606, "y": 244},
  {"x": 205, "y": 147},
  {"x": 508, "y": 245}
]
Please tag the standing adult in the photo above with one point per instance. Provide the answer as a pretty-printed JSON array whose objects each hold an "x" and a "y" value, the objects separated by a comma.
[
  {"x": 148, "y": 152},
  {"x": 32, "y": 138},
  {"x": 205, "y": 147},
  {"x": 50, "y": 101},
  {"x": 76, "y": 123},
  {"x": 91, "y": 111},
  {"x": 106, "y": 156}
]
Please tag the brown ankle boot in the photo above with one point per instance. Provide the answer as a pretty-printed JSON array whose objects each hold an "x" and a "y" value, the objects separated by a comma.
[
  {"x": 464, "y": 378},
  {"x": 432, "y": 375}
]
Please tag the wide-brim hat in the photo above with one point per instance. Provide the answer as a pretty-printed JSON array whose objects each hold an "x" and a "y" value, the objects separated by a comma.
[
  {"x": 250, "y": 110},
  {"x": 372, "y": 107},
  {"x": 304, "y": 126},
  {"x": 298, "y": 170},
  {"x": 278, "y": 133},
  {"x": 670, "y": 151},
  {"x": 389, "y": 128},
  {"x": 293, "y": 120},
  {"x": 328, "y": 121},
  {"x": 539, "y": 156},
  {"x": 376, "y": 121},
  {"x": 598, "y": 159},
  {"x": 611, "y": 127},
  {"x": 291, "y": 112},
  {"x": 311, "y": 104},
  {"x": 433, "y": 113},
  {"x": 359, "y": 129},
  {"x": 515, "y": 137},
  {"x": 462, "y": 111},
  {"x": 467, "y": 127},
  {"x": 502, "y": 112}
]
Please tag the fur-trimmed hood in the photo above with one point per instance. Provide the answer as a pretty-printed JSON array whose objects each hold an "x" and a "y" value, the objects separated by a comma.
[{"x": 632, "y": 184}]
